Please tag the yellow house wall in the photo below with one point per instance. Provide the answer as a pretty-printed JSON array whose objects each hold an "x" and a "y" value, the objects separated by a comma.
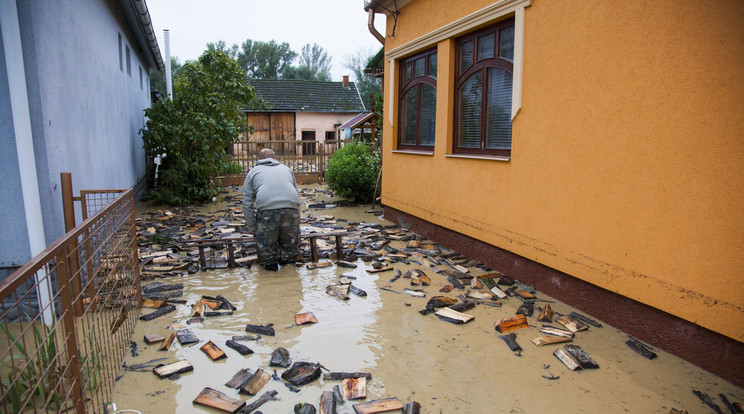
[{"x": 627, "y": 164}]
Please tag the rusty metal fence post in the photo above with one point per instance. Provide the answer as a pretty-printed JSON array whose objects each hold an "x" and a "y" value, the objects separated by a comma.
[{"x": 68, "y": 320}]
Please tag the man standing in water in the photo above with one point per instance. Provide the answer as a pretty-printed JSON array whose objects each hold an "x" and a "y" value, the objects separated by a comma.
[{"x": 271, "y": 206}]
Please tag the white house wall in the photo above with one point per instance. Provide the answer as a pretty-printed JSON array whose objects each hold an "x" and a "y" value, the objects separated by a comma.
[{"x": 320, "y": 122}]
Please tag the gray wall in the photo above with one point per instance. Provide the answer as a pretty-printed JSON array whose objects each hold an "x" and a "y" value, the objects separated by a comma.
[{"x": 86, "y": 111}]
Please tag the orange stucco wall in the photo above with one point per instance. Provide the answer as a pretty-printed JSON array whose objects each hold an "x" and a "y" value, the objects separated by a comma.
[{"x": 627, "y": 164}]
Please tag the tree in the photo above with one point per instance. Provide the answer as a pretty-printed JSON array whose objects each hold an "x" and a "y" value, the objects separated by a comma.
[
  {"x": 314, "y": 64},
  {"x": 265, "y": 60},
  {"x": 366, "y": 84},
  {"x": 222, "y": 46},
  {"x": 157, "y": 78},
  {"x": 196, "y": 127}
]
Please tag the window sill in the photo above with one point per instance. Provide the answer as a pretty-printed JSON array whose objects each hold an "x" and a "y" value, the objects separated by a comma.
[
  {"x": 481, "y": 157},
  {"x": 413, "y": 152}
]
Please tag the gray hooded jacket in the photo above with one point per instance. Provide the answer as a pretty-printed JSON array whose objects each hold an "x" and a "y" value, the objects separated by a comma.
[{"x": 268, "y": 186}]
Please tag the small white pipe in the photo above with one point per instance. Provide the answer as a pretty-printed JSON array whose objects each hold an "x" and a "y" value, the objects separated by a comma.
[
  {"x": 168, "y": 80},
  {"x": 11, "y": 33}
]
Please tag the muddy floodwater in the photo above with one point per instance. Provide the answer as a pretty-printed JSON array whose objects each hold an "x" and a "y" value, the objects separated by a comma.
[{"x": 447, "y": 368}]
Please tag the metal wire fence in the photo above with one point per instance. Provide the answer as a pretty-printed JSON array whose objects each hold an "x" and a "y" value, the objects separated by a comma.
[{"x": 66, "y": 317}]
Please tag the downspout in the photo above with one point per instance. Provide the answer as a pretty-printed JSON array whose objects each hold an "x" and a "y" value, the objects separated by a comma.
[
  {"x": 371, "y": 26},
  {"x": 11, "y": 32}
]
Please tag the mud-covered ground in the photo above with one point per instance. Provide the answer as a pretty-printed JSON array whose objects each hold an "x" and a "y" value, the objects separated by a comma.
[{"x": 446, "y": 367}]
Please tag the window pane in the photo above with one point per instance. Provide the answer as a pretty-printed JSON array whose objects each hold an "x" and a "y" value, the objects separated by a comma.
[
  {"x": 498, "y": 115},
  {"x": 428, "y": 114},
  {"x": 506, "y": 43},
  {"x": 485, "y": 47},
  {"x": 469, "y": 112},
  {"x": 406, "y": 74},
  {"x": 419, "y": 67},
  {"x": 466, "y": 56},
  {"x": 433, "y": 66},
  {"x": 408, "y": 117}
]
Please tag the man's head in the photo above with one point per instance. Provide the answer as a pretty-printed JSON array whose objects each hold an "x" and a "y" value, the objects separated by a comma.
[{"x": 266, "y": 153}]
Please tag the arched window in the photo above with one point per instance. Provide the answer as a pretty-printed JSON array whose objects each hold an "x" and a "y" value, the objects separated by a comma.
[
  {"x": 484, "y": 90},
  {"x": 418, "y": 101}
]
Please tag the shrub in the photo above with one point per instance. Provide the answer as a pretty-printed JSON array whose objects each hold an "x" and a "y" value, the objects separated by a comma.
[{"x": 352, "y": 172}]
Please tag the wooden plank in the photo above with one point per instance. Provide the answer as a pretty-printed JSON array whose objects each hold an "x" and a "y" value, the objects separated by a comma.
[
  {"x": 319, "y": 265},
  {"x": 327, "y": 403},
  {"x": 513, "y": 323},
  {"x": 343, "y": 375},
  {"x": 267, "y": 396},
  {"x": 158, "y": 313},
  {"x": 546, "y": 314},
  {"x": 154, "y": 338},
  {"x": 571, "y": 324},
  {"x": 354, "y": 388},
  {"x": 453, "y": 316},
  {"x": 213, "y": 351},
  {"x": 256, "y": 382},
  {"x": 154, "y": 303},
  {"x": 549, "y": 340},
  {"x": 382, "y": 269},
  {"x": 174, "y": 368},
  {"x": 378, "y": 406},
  {"x": 167, "y": 343},
  {"x": 303, "y": 318},
  {"x": 185, "y": 337},
  {"x": 266, "y": 329},
  {"x": 240, "y": 348},
  {"x": 215, "y": 399},
  {"x": 551, "y": 330},
  {"x": 239, "y": 378},
  {"x": 585, "y": 361},
  {"x": 567, "y": 360}
]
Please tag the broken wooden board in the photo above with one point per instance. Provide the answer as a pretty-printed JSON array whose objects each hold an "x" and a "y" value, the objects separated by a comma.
[
  {"x": 327, "y": 403},
  {"x": 215, "y": 399},
  {"x": 412, "y": 407},
  {"x": 413, "y": 292},
  {"x": 480, "y": 295},
  {"x": 550, "y": 339},
  {"x": 567, "y": 360},
  {"x": 355, "y": 290},
  {"x": 266, "y": 329},
  {"x": 354, "y": 388},
  {"x": 265, "y": 397},
  {"x": 571, "y": 324},
  {"x": 449, "y": 315},
  {"x": 492, "y": 303},
  {"x": 153, "y": 338},
  {"x": 546, "y": 314},
  {"x": 345, "y": 264},
  {"x": 513, "y": 323},
  {"x": 213, "y": 351},
  {"x": 585, "y": 319},
  {"x": 524, "y": 294},
  {"x": 167, "y": 343},
  {"x": 382, "y": 269},
  {"x": 378, "y": 406},
  {"x": 154, "y": 303},
  {"x": 511, "y": 341},
  {"x": 239, "y": 378},
  {"x": 255, "y": 382},
  {"x": 303, "y": 318},
  {"x": 174, "y": 368},
  {"x": 239, "y": 348},
  {"x": 584, "y": 360},
  {"x": 640, "y": 348},
  {"x": 476, "y": 283},
  {"x": 551, "y": 330},
  {"x": 159, "y": 312},
  {"x": 185, "y": 336},
  {"x": 302, "y": 373},
  {"x": 280, "y": 358},
  {"x": 338, "y": 291},
  {"x": 498, "y": 292},
  {"x": 218, "y": 312},
  {"x": 319, "y": 265},
  {"x": 344, "y": 375}
]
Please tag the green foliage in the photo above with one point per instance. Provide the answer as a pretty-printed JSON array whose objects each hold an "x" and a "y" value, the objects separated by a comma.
[
  {"x": 233, "y": 168},
  {"x": 196, "y": 127},
  {"x": 265, "y": 60},
  {"x": 315, "y": 64},
  {"x": 366, "y": 84},
  {"x": 352, "y": 172},
  {"x": 157, "y": 78}
]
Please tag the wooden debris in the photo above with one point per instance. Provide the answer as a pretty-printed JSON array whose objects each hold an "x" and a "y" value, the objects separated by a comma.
[
  {"x": 163, "y": 371},
  {"x": 571, "y": 324},
  {"x": 527, "y": 308},
  {"x": 355, "y": 290},
  {"x": 265, "y": 397},
  {"x": 513, "y": 323},
  {"x": 397, "y": 275},
  {"x": 479, "y": 295},
  {"x": 218, "y": 312},
  {"x": 378, "y": 406},
  {"x": 413, "y": 244},
  {"x": 640, "y": 348},
  {"x": 239, "y": 378},
  {"x": 319, "y": 265},
  {"x": 266, "y": 329},
  {"x": 226, "y": 303},
  {"x": 492, "y": 303},
  {"x": 551, "y": 330},
  {"x": 327, "y": 403},
  {"x": 194, "y": 320},
  {"x": 354, "y": 388},
  {"x": 337, "y": 394},
  {"x": 705, "y": 398},
  {"x": 344, "y": 375},
  {"x": 546, "y": 314},
  {"x": 584, "y": 360},
  {"x": 524, "y": 294},
  {"x": 446, "y": 288},
  {"x": 476, "y": 283},
  {"x": 304, "y": 408},
  {"x": 449, "y": 315},
  {"x": 280, "y": 358},
  {"x": 347, "y": 265},
  {"x": 240, "y": 348},
  {"x": 414, "y": 292},
  {"x": 246, "y": 337},
  {"x": 498, "y": 292},
  {"x": 344, "y": 280},
  {"x": 585, "y": 319},
  {"x": 549, "y": 340},
  {"x": 382, "y": 269},
  {"x": 339, "y": 291},
  {"x": 167, "y": 343},
  {"x": 154, "y": 338},
  {"x": 511, "y": 341},
  {"x": 412, "y": 407},
  {"x": 158, "y": 313},
  {"x": 185, "y": 336},
  {"x": 215, "y": 399},
  {"x": 255, "y": 382},
  {"x": 567, "y": 360},
  {"x": 302, "y": 373},
  {"x": 154, "y": 303},
  {"x": 176, "y": 326},
  {"x": 303, "y": 318}
]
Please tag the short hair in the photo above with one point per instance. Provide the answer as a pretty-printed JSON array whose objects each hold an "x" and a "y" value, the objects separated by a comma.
[{"x": 266, "y": 153}]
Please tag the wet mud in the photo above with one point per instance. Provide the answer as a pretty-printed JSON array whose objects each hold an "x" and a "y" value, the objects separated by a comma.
[{"x": 446, "y": 367}]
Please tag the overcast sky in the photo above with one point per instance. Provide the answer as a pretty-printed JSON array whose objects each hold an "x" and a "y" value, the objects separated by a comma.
[{"x": 339, "y": 26}]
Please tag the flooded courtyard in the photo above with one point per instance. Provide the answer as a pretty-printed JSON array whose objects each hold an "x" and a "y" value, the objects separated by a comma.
[{"x": 445, "y": 367}]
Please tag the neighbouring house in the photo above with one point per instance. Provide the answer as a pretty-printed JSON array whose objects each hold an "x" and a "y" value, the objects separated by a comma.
[
  {"x": 593, "y": 150},
  {"x": 73, "y": 87},
  {"x": 302, "y": 110},
  {"x": 361, "y": 127}
]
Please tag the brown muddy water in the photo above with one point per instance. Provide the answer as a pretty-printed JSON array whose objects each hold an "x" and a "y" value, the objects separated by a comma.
[{"x": 447, "y": 368}]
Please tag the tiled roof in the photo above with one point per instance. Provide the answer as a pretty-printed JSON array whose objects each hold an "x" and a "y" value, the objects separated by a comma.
[
  {"x": 357, "y": 120},
  {"x": 308, "y": 96}
]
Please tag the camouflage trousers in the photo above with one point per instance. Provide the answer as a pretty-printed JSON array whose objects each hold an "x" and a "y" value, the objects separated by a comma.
[{"x": 278, "y": 236}]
